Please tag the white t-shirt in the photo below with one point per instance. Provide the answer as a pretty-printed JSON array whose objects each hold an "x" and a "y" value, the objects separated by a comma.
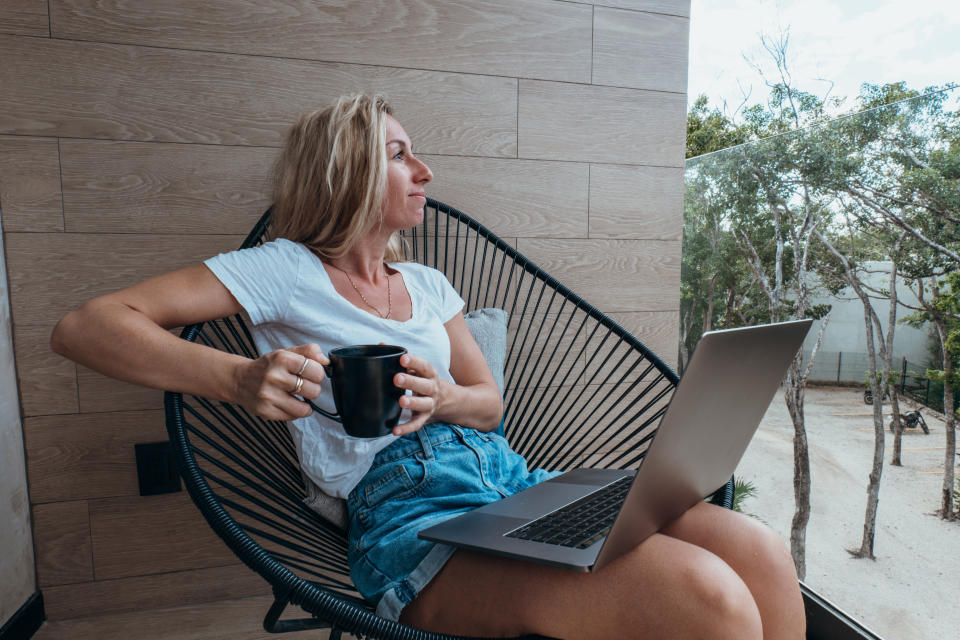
[{"x": 289, "y": 300}]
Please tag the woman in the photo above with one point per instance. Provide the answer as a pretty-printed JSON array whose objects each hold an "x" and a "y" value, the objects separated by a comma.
[{"x": 346, "y": 183}]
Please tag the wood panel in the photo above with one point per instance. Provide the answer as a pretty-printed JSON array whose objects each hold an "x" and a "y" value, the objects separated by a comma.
[
  {"x": 181, "y": 188},
  {"x": 240, "y": 619},
  {"x": 25, "y": 17},
  {"x": 30, "y": 184},
  {"x": 155, "y": 534},
  {"x": 611, "y": 360},
  {"x": 601, "y": 124},
  {"x": 87, "y": 455},
  {"x": 636, "y": 202},
  {"x": 465, "y": 263},
  {"x": 632, "y": 409},
  {"x": 63, "y": 547},
  {"x": 158, "y": 591},
  {"x": 51, "y": 384},
  {"x": 580, "y": 417},
  {"x": 89, "y": 90},
  {"x": 659, "y": 330},
  {"x": 51, "y": 274},
  {"x": 613, "y": 275},
  {"x": 670, "y": 7},
  {"x": 642, "y": 50},
  {"x": 543, "y": 347},
  {"x": 530, "y": 39},
  {"x": 141, "y": 187},
  {"x": 48, "y": 383},
  {"x": 540, "y": 409},
  {"x": 99, "y": 393},
  {"x": 525, "y": 198}
]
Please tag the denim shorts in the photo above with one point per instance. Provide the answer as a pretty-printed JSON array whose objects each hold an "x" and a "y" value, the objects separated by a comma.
[{"x": 421, "y": 479}]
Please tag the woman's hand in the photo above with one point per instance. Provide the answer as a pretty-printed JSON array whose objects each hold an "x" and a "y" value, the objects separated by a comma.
[
  {"x": 268, "y": 385},
  {"x": 420, "y": 378}
]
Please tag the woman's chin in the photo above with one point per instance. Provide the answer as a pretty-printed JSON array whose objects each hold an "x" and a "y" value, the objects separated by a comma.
[{"x": 417, "y": 218}]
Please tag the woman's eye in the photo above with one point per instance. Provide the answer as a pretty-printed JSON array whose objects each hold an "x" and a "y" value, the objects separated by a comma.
[{"x": 399, "y": 154}]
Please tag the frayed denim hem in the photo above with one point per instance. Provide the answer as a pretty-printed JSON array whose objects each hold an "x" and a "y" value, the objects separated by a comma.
[{"x": 402, "y": 594}]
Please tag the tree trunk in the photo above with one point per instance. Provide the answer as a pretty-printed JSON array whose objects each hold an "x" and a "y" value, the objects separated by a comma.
[
  {"x": 708, "y": 315},
  {"x": 686, "y": 323},
  {"x": 946, "y": 505},
  {"x": 949, "y": 456},
  {"x": 876, "y": 471},
  {"x": 887, "y": 352},
  {"x": 873, "y": 486},
  {"x": 793, "y": 395},
  {"x": 897, "y": 426}
]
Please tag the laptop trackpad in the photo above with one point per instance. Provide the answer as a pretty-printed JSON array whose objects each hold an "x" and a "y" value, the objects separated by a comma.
[{"x": 538, "y": 500}]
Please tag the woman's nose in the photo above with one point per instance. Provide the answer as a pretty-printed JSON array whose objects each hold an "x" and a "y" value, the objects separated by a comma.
[{"x": 423, "y": 173}]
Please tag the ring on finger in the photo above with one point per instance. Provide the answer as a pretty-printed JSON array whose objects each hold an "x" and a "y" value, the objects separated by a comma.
[
  {"x": 299, "y": 386},
  {"x": 303, "y": 367}
]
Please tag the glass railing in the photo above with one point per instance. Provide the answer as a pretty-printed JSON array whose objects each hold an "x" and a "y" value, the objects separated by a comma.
[{"x": 818, "y": 222}]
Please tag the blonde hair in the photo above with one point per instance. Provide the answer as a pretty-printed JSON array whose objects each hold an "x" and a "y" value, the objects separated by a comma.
[{"x": 330, "y": 177}]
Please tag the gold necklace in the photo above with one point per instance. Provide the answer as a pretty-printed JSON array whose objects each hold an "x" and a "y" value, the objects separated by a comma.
[{"x": 363, "y": 297}]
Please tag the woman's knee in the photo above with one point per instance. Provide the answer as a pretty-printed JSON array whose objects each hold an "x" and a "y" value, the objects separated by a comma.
[
  {"x": 721, "y": 601},
  {"x": 771, "y": 554}
]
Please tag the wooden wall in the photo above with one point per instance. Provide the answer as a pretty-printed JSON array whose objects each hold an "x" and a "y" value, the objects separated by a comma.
[{"x": 135, "y": 138}]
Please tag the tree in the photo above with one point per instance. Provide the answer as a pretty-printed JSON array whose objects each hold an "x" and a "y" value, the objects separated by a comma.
[
  {"x": 891, "y": 172},
  {"x": 763, "y": 212},
  {"x": 714, "y": 278},
  {"x": 912, "y": 183},
  {"x": 940, "y": 304},
  {"x": 709, "y": 130},
  {"x": 850, "y": 273},
  {"x": 710, "y": 276}
]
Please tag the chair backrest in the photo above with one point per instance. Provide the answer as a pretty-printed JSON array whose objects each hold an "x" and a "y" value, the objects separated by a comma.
[{"x": 579, "y": 391}]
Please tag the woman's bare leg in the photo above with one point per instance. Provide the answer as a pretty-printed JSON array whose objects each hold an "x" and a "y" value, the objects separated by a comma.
[
  {"x": 757, "y": 555},
  {"x": 664, "y": 588}
]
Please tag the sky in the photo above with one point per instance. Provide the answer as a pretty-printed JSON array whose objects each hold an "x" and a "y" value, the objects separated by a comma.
[{"x": 846, "y": 41}]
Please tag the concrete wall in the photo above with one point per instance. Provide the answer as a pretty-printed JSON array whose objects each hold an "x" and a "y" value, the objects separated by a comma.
[
  {"x": 17, "y": 577},
  {"x": 135, "y": 138},
  {"x": 846, "y": 332}
]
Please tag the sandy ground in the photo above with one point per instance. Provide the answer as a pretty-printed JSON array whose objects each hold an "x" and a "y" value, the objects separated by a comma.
[{"x": 911, "y": 590}]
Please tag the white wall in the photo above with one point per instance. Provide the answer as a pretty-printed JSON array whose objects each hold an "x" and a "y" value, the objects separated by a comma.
[
  {"x": 846, "y": 331},
  {"x": 17, "y": 579}
]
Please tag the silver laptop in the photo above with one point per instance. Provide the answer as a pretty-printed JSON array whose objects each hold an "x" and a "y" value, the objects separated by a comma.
[{"x": 715, "y": 410}]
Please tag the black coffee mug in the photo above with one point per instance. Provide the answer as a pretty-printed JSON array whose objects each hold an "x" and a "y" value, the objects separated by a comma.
[{"x": 367, "y": 400}]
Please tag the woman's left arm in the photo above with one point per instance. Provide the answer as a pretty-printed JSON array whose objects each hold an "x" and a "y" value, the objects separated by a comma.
[{"x": 473, "y": 400}]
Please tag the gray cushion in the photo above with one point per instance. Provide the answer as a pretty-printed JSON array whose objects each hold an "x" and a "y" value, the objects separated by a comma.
[
  {"x": 489, "y": 328},
  {"x": 332, "y": 509}
]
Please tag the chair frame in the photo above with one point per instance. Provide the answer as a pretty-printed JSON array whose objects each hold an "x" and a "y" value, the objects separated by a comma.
[{"x": 252, "y": 462}]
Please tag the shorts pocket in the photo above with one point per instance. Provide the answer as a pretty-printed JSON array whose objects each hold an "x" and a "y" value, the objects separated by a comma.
[
  {"x": 383, "y": 501},
  {"x": 394, "y": 481}
]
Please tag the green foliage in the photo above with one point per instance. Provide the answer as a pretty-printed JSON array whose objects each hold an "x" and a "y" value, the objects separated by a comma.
[
  {"x": 861, "y": 180},
  {"x": 946, "y": 305},
  {"x": 893, "y": 379},
  {"x": 709, "y": 130},
  {"x": 746, "y": 239},
  {"x": 742, "y": 490}
]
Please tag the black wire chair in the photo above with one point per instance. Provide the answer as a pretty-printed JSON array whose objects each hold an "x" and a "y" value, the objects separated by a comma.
[{"x": 579, "y": 391}]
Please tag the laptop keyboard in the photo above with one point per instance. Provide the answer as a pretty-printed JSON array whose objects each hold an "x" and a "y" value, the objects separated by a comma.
[{"x": 581, "y": 523}]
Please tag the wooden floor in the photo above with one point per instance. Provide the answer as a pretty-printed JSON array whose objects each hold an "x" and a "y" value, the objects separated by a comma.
[{"x": 229, "y": 619}]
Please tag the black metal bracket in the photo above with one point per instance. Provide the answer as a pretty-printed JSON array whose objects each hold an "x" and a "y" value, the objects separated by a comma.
[
  {"x": 273, "y": 624},
  {"x": 157, "y": 468}
]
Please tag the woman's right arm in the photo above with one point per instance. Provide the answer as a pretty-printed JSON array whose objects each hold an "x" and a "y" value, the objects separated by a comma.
[{"x": 125, "y": 335}]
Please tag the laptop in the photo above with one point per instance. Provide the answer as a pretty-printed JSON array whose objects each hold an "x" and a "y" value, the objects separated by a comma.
[{"x": 585, "y": 518}]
